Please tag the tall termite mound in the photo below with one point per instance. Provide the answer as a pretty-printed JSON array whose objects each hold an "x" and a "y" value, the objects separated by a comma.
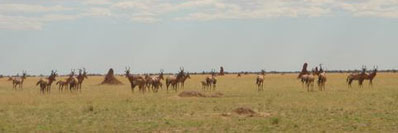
[{"x": 110, "y": 79}]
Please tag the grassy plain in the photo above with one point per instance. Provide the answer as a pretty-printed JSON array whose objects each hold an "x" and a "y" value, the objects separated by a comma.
[{"x": 115, "y": 109}]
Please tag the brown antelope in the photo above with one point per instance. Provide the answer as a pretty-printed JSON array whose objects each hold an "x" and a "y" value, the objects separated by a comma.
[
  {"x": 81, "y": 77},
  {"x": 173, "y": 80},
  {"x": 360, "y": 77},
  {"x": 136, "y": 81},
  {"x": 183, "y": 79},
  {"x": 61, "y": 85},
  {"x": 308, "y": 80},
  {"x": 72, "y": 81},
  {"x": 19, "y": 81},
  {"x": 156, "y": 81},
  {"x": 322, "y": 81},
  {"x": 260, "y": 81},
  {"x": 204, "y": 85},
  {"x": 371, "y": 76},
  {"x": 45, "y": 84},
  {"x": 321, "y": 78},
  {"x": 212, "y": 80}
]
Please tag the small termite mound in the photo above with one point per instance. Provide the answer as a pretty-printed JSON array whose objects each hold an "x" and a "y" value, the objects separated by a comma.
[{"x": 110, "y": 79}]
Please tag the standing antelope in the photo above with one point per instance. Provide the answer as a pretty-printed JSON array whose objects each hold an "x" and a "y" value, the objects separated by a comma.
[
  {"x": 136, "y": 81},
  {"x": 61, "y": 85},
  {"x": 212, "y": 80},
  {"x": 156, "y": 81},
  {"x": 360, "y": 77},
  {"x": 81, "y": 77},
  {"x": 371, "y": 76},
  {"x": 183, "y": 79},
  {"x": 45, "y": 84},
  {"x": 72, "y": 81},
  {"x": 308, "y": 80},
  {"x": 204, "y": 85},
  {"x": 322, "y": 81},
  {"x": 19, "y": 81},
  {"x": 260, "y": 81},
  {"x": 173, "y": 80}
]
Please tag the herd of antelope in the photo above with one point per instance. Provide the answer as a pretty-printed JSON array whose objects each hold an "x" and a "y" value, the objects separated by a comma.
[{"x": 147, "y": 83}]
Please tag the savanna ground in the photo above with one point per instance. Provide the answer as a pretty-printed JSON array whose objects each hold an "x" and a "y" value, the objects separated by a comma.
[{"x": 115, "y": 109}]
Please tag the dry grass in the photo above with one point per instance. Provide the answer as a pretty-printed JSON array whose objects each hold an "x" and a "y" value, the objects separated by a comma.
[{"x": 291, "y": 108}]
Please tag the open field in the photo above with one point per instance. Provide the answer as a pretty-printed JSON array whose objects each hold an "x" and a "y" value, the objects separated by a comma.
[{"x": 291, "y": 108}]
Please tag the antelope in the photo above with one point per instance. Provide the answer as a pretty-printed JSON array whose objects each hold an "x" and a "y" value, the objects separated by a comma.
[
  {"x": 45, "y": 84},
  {"x": 212, "y": 80},
  {"x": 308, "y": 80},
  {"x": 322, "y": 81},
  {"x": 135, "y": 81},
  {"x": 371, "y": 76},
  {"x": 360, "y": 77},
  {"x": 183, "y": 79},
  {"x": 61, "y": 85},
  {"x": 81, "y": 77},
  {"x": 72, "y": 81},
  {"x": 156, "y": 81},
  {"x": 173, "y": 80},
  {"x": 204, "y": 85},
  {"x": 260, "y": 82},
  {"x": 19, "y": 81},
  {"x": 303, "y": 74}
]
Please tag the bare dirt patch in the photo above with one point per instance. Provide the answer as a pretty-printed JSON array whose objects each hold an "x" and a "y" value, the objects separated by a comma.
[
  {"x": 246, "y": 112},
  {"x": 198, "y": 94}
]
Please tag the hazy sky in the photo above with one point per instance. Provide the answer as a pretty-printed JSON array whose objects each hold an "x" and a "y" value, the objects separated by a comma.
[{"x": 148, "y": 35}]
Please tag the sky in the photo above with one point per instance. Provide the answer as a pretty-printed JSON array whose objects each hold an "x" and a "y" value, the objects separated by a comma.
[{"x": 242, "y": 35}]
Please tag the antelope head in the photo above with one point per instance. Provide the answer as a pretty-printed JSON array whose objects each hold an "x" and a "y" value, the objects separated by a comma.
[
  {"x": 85, "y": 73},
  {"x": 375, "y": 68},
  {"x": 181, "y": 69},
  {"x": 262, "y": 72},
  {"x": 363, "y": 68},
  {"x": 188, "y": 76},
  {"x": 127, "y": 70},
  {"x": 72, "y": 72},
  {"x": 161, "y": 74},
  {"x": 23, "y": 74}
]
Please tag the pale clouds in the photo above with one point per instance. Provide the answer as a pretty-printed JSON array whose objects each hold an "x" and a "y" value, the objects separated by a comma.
[{"x": 30, "y": 15}]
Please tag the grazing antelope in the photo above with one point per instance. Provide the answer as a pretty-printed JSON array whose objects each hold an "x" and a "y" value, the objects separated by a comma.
[
  {"x": 135, "y": 81},
  {"x": 61, "y": 85},
  {"x": 19, "y": 81},
  {"x": 173, "y": 80},
  {"x": 45, "y": 84},
  {"x": 81, "y": 77}
]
